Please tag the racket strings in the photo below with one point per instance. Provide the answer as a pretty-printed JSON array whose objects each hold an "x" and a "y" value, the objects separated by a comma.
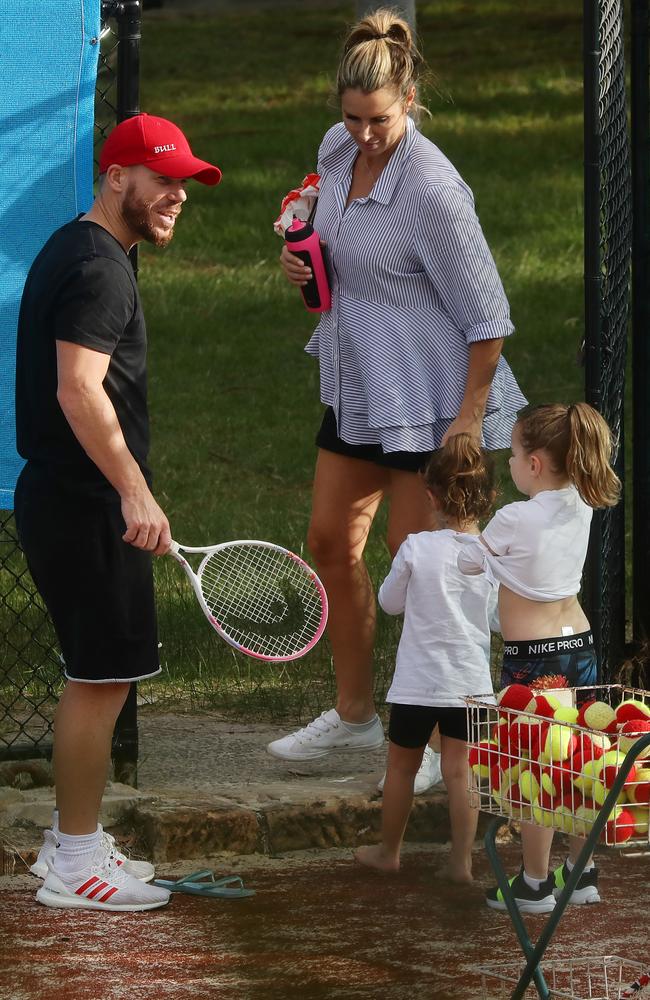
[{"x": 265, "y": 600}]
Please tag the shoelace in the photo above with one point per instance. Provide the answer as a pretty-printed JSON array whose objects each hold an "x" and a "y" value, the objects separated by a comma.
[{"x": 315, "y": 728}]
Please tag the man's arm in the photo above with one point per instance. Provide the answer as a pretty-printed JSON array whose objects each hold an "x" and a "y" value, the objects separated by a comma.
[{"x": 91, "y": 415}]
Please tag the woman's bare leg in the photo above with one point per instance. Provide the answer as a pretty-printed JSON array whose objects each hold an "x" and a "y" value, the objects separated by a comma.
[{"x": 347, "y": 493}]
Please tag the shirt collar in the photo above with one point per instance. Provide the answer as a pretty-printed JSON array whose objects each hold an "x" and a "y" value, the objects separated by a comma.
[{"x": 384, "y": 187}]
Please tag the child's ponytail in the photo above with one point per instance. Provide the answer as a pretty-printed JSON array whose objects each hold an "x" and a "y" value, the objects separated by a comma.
[
  {"x": 580, "y": 446},
  {"x": 461, "y": 477},
  {"x": 589, "y": 456}
]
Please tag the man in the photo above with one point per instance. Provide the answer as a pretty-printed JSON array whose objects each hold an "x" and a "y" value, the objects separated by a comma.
[{"x": 87, "y": 519}]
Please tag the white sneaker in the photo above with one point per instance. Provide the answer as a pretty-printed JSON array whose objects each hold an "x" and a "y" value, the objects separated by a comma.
[
  {"x": 102, "y": 885},
  {"x": 326, "y": 733},
  {"x": 139, "y": 869},
  {"x": 429, "y": 773}
]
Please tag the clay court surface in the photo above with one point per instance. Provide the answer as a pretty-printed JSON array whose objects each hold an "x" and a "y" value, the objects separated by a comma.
[{"x": 319, "y": 927}]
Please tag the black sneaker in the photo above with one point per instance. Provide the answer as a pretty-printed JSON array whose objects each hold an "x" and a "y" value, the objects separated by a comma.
[
  {"x": 528, "y": 900},
  {"x": 586, "y": 891}
]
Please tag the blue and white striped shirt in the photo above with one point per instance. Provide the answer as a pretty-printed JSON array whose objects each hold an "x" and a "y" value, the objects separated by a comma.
[{"x": 413, "y": 285}]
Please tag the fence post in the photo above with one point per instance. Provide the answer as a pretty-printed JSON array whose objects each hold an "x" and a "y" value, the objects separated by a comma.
[
  {"x": 128, "y": 15},
  {"x": 608, "y": 234},
  {"x": 640, "y": 70}
]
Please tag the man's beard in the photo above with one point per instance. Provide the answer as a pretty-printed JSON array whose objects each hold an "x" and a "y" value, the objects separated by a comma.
[{"x": 137, "y": 215}]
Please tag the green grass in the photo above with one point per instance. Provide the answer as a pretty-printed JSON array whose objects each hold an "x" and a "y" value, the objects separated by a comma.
[{"x": 234, "y": 399}]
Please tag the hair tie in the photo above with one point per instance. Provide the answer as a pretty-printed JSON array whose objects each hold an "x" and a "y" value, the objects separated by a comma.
[{"x": 374, "y": 37}]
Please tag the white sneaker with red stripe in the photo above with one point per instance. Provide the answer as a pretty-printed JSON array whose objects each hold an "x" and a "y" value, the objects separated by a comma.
[
  {"x": 139, "y": 869},
  {"x": 102, "y": 885}
]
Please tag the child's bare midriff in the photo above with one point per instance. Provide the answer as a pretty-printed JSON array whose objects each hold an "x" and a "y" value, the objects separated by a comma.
[{"x": 523, "y": 619}]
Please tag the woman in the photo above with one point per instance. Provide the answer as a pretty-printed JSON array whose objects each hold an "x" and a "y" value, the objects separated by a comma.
[{"x": 410, "y": 352}]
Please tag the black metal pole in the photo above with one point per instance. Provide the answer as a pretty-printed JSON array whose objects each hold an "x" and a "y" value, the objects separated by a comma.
[
  {"x": 592, "y": 289},
  {"x": 640, "y": 71},
  {"x": 128, "y": 15}
]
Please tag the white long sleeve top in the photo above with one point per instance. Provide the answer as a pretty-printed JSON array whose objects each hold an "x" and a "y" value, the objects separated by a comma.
[{"x": 444, "y": 651}]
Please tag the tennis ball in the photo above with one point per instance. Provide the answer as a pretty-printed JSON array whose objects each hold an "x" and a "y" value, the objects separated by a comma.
[
  {"x": 563, "y": 818},
  {"x": 619, "y": 826},
  {"x": 590, "y": 773},
  {"x": 584, "y": 818},
  {"x": 632, "y": 709},
  {"x": 587, "y": 748},
  {"x": 543, "y": 811},
  {"x": 600, "y": 792},
  {"x": 546, "y": 705},
  {"x": 610, "y": 765},
  {"x": 515, "y": 698},
  {"x": 596, "y": 715},
  {"x": 631, "y": 732},
  {"x": 565, "y": 713},
  {"x": 529, "y": 785},
  {"x": 482, "y": 756},
  {"x": 559, "y": 744},
  {"x": 641, "y": 817},
  {"x": 638, "y": 791}
]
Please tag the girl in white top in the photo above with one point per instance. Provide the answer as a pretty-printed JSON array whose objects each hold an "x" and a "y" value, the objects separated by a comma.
[
  {"x": 535, "y": 550},
  {"x": 444, "y": 651}
]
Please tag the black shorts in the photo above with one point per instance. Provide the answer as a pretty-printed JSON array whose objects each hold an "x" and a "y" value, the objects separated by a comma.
[
  {"x": 406, "y": 461},
  {"x": 411, "y": 726},
  {"x": 97, "y": 588}
]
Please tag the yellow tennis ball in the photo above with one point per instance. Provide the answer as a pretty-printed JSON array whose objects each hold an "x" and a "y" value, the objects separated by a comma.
[
  {"x": 528, "y": 785},
  {"x": 589, "y": 774},
  {"x": 559, "y": 744},
  {"x": 566, "y": 714}
]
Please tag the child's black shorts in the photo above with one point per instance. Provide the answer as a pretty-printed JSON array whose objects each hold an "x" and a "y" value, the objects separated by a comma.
[
  {"x": 410, "y": 726},
  {"x": 97, "y": 588}
]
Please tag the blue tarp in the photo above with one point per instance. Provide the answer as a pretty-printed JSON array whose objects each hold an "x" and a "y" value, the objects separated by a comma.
[{"x": 48, "y": 71}]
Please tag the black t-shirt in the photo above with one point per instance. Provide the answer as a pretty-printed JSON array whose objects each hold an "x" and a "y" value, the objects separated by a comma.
[{"x": 80, "y": 288}]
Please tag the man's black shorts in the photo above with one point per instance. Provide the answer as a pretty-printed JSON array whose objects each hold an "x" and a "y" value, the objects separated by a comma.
[{"x": 97, "y": 588}]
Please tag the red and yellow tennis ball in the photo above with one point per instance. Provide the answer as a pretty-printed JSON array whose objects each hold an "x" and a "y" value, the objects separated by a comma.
[
  {"x": 610, "y": 765},
  {"x": 546, "y": 705},
  {"x": 543, "y": 810},
  {"x": 589, "y": 773},
  {"x": 632, "y": 709},
  {"x": 638, "y": 791},
  {"x": 517, "y": 697},
  {"x": 587, "y": 748},
  {"x": 559, "y": 743},
  {"x": 482, "y": 757},
  {"x": 596, "y": 715},
  {"x": 641, "y": 817},
  {"x": 631, "y": 732},
  {"x": 585, "y": 816},
  {"x": 619, "y": 827}
]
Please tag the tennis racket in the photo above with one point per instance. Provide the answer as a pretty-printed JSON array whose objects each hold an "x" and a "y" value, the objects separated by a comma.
[{"x": 262, "y": 599}]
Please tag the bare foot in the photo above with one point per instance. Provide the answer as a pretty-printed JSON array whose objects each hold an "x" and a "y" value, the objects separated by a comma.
[
  {"x": 460, "y": 874},
  {"x": 376, "y": 857}
]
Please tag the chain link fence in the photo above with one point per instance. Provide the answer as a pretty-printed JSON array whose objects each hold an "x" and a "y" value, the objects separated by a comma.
[
  {"x": 31, "y": 677},
  {"x": 608, "y": 236}
]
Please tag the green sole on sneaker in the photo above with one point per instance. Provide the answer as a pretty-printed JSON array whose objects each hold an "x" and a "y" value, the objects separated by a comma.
[{"x": 525, "y": 905}]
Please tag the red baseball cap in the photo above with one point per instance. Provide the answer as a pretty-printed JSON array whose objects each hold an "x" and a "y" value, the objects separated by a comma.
[{"x": 158, "y": 144}]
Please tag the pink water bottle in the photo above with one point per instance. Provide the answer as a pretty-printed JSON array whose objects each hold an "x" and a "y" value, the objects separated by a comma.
[{"x": 303, "y": 240}]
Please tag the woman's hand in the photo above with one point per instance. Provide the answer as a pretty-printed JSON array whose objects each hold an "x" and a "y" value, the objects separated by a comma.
[
  {"x": 296, "y": 271},
  {"x": 463, "y": 425}
]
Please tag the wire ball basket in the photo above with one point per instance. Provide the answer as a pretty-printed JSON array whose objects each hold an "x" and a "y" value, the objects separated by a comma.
[
  {"x": 550, "y": 771},
  {"x": 606, "y": 977}
]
